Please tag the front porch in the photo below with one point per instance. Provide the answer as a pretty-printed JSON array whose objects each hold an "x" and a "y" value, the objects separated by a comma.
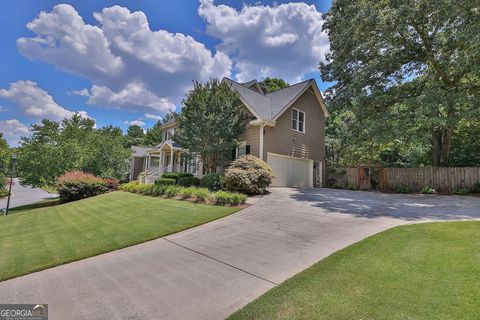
[{"x": 169, "y": 157}]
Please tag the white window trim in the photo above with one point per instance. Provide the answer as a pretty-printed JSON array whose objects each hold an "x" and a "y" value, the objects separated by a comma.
[
  {"x": 298, "y": 120},
  {"x": 239, "y": 145}
]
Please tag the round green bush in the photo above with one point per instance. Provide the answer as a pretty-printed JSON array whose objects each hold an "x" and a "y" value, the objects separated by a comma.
[
  {"x": 213, "y": 181},
  {"x": 248, "y": 175},
  {"x": 188, "y": 182},
  {"x": 176, "y": 175}
]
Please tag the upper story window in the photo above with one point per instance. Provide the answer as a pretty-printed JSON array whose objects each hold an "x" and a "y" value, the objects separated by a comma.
[{"x": 298, "y": 120}]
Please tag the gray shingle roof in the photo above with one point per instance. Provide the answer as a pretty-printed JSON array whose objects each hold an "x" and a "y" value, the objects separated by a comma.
[
  {"x": 267, "y": 106},
  {"x": 139, "y": 151}
]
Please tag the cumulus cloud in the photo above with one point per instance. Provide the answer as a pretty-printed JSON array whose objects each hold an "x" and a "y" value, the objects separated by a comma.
[
  {"x": 282, "y": 40},
  {"x": 123, "y": 58},
  {"x": 12, "y": 130},
  {"x": 137, "y": 122},
  {"x": 153, "y": 116},
  {"x": 35, "y": 102}
]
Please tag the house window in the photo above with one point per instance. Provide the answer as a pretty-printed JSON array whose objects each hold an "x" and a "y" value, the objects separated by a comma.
[
  {"x": 298, "y": 120},
  {"x": 242, "y": 149}
]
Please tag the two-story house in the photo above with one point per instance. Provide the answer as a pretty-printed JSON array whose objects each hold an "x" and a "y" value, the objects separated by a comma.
[{"x": 287, "y": 131}]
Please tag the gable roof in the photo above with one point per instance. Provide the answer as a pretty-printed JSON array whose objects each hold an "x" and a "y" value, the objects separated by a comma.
[{"x": 271, "y": 105}]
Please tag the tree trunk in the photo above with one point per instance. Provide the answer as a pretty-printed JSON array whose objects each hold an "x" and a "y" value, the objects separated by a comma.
[{"x": 436, "y": 147}]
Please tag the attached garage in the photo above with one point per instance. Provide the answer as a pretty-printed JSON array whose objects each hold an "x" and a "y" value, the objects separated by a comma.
[{"x": 290, "y": 171}]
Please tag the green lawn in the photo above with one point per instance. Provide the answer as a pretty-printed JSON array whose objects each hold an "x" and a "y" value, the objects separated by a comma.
[
  {"x": 424, "y": 271},
  {"x": 36, "y": 239}
]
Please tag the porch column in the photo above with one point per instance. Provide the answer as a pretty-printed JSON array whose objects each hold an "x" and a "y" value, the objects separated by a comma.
[
  {"x": 160, "y": 161},
  {"x": 171, "y": 160},
  {"x": 260, "y": 148}
]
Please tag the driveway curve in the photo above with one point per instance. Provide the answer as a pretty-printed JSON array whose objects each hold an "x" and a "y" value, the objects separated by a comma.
[
  {"x": 210, "y": 271},
  {"x": 23, "y": 195}
]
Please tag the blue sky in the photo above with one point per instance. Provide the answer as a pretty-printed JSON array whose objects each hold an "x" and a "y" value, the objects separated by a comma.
[{"x": 68, "y": 60}]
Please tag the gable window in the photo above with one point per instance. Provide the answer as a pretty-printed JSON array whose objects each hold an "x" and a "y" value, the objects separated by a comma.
[{"x": 298, "y": 120}]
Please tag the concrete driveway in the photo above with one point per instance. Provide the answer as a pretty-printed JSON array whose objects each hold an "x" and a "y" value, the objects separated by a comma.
[
  {"x": 25, "y": 195},
  {"x": 210, "y": 271}
]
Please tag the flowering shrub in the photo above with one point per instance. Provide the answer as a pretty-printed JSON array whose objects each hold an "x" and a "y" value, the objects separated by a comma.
[
  {"x": 249, "y": 175},
  {"x": 78, "y": 185}
]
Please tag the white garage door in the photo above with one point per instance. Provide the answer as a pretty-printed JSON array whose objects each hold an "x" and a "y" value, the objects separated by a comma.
[{"x": 290, "y": 171}]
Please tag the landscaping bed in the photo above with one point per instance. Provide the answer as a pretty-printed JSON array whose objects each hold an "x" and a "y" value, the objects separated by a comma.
[
  {"x": 35, "y": 239},
  {"x": 423, "y": 271}
]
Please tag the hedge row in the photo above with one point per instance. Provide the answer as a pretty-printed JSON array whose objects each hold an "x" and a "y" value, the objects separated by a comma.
[{"x": 202, "y": 195}]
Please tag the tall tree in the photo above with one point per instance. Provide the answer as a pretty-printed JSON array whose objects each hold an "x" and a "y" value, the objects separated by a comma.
[
  {"x": 419, "y": 57},
  {"x": 211, "y": 122},
  {"x": 272, "y": 84},
  {"x": 54, "y": 148},
  {"x": 135, "y": 136}
]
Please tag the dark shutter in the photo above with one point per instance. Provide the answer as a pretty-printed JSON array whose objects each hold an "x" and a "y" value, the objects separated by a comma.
[
  {"x": 234, "y": 153},
  {"x": 247, "y": 149}
]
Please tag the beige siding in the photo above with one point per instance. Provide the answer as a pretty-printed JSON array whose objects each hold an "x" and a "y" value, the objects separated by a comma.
[
  {"x": 282, "y": 139},
  {"x": 252, "y": 136}
]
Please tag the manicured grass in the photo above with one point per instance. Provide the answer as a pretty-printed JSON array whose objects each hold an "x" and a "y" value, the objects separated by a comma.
[
  {"x": 36, "y": 239},
  {"x": 424, "y": 271},
  {"x": 41, "y": 204}
]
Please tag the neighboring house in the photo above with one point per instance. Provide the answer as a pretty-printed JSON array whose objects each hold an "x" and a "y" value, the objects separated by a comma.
[{"x": 287, "y": 131}]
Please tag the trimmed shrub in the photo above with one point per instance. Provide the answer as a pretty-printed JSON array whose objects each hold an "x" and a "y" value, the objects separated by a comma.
[
  {"x": 249, "y": 175},
  {"x": 172, "y": 191},
  {"x": 176, "y": 175},
  {"x": 201, "y": 194},
  {"x": 213, "y": 181},
  {"x": 79, "y": 185},
  {"x": 228, "y": 198},
  {"x": 165, "y": 181},
  {"x": 188, "y": 181}
]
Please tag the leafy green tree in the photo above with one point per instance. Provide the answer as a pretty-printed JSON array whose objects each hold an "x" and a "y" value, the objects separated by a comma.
[
  {"x": 415, "y": 61},
  {"x": 272, "y": 84},
  {"x": 5, "y": 154},
  {"x": 135, "y": 136},
  {"x": 54, "y": 148},
  {"x": 211, "y": 122}
]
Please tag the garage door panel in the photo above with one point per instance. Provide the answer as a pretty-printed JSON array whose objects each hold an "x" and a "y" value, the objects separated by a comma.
[{"x": 290, "y": 171}]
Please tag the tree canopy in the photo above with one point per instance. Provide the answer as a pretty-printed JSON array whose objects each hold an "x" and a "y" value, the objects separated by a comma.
[
  {"x": 211, "y": 122},
  {"x": 272, "y": 84},
  {"x": 406, "y": 79},
  {"x": 54, "y": 148},
  {"x": 135, "y": 136}
]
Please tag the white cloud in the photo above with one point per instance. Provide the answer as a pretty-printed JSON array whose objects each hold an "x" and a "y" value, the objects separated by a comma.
[
  {"x": 35, "y": 102},
  {"x": 281, "y": 41},
  {"x": 137, "y": 122},
  {"x": 3, "y": 109},
  {"x": 81, "y": 92},
  {"x": 153, "y": 116},
  {"x": 12, "y": 131},
  {"x": 123, "y": 58}
]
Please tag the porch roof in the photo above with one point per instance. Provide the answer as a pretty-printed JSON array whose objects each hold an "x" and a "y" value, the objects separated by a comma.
[{"x": 172, "y": 144}]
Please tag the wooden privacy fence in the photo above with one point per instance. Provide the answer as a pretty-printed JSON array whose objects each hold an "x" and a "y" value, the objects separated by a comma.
[{"x": 442, "y": 179}]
